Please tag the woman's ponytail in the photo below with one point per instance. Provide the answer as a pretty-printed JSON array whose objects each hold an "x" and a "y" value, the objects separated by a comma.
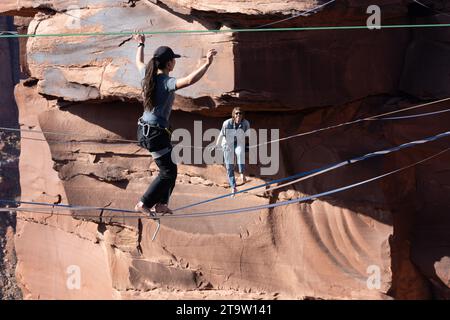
[{"x": 148, "y": 85}]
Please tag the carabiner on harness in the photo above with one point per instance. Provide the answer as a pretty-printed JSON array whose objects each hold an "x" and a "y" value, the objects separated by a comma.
[{"x": 145, "y": 127}]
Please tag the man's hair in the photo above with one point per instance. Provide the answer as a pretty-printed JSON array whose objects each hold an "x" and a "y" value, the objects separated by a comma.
[{"x": 235, "y": 109}]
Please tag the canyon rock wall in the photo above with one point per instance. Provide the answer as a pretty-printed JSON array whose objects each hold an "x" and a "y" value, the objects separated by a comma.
[
  {"x": 88, "y": 88},
  {"x": 9, "y": 156}
]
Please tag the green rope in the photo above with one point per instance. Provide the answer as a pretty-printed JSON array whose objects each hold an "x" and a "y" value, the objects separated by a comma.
[{"x": 128, "y": 33}]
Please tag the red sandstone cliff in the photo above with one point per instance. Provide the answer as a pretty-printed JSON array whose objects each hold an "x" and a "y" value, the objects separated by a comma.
[{"x": 294, "y": 81}]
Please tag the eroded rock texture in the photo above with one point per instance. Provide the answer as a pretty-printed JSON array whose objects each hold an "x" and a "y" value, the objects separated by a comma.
[
  {"x": 89, "y": 88},
  {"x": 9, "y": 157}
]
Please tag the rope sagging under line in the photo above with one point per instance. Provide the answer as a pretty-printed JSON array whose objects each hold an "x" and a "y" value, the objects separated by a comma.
[
  {"x": 309, "y": 174},
  {"x": 273, "y": 205},
  {"x": 306, "y": 175}
]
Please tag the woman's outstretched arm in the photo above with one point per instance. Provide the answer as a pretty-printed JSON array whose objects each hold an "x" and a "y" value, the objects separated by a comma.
[
  {"x": 197, "y": 74},
  {"x": 140, "y": 39}
]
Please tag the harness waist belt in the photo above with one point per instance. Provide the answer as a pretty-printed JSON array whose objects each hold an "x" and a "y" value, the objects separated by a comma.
[{"x": 146, "y": 127}]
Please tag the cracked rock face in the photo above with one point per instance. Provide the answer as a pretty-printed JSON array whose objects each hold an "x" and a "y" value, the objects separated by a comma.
[
  {"x": 99, "y": 67},
  {"x": 9, "y": 158},
  {"x": 247, "y": 70},
  {"x": 332, "y": 247}
]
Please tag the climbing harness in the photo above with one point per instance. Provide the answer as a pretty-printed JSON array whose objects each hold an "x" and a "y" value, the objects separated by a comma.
[{"x": 147, "y": 126}]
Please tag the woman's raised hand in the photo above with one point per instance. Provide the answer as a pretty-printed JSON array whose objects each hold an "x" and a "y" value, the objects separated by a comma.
[{"x": 139, "y": 37}]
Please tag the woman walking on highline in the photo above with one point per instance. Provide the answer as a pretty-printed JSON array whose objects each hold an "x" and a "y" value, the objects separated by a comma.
[
  {"x": 232, "y": 136},
  {"x": 153, "y": 127}
]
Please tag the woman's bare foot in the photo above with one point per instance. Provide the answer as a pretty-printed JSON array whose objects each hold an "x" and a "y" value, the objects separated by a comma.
[
  {"x": 243, "y": 178},
  {"x": 234, "y": 192},
  {"x": 140, "y": 207},
  {"x": 162, "y": 208}
]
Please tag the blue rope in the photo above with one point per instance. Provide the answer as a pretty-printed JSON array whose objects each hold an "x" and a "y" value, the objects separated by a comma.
[
  {"x": 268, "y": 206},
  {"x": 370, "y": 118},
  {"x": 303, "y": 199},
  {"x": 298, "y": 175}
]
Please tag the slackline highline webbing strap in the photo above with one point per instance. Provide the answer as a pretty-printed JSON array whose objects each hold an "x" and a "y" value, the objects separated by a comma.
[
  {"x": 374, "y": 117},
  {"x": 307, "y": 198},
  {"x": 345, "y": 163},
  {"x": 246, "y": 30},
  {"x": 255, "y": 208},
  {"x": 303, "y": 174},
  {"x": 312, "y": 173},
  {"x": 294, "y": 16}
]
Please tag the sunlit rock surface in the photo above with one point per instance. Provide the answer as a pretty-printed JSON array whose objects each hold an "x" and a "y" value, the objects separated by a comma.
[{"x": 333, "y": 247}]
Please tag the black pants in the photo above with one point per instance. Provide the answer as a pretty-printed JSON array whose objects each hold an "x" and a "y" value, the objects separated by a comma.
[{"x": 161, "y": 188}]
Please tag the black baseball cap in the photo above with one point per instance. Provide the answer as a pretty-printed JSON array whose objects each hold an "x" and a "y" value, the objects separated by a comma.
[{"x": 165, "y": 54}]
